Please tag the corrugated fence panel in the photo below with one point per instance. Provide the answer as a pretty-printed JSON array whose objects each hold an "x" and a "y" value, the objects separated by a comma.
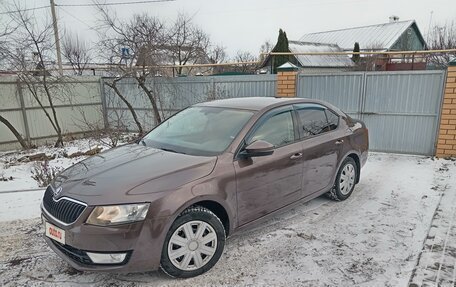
[
  {"x": 77, "y": 105},
  {"x": 10, "y": 109},
  {"x": 401, "y": 109},
  {"x": 8, "y": 88},
  {"x": 340, "y": 89},
  {"x": 80, "y": 91},
  {"x": 246, "y": 86},
  {"x": 174, "y": 94},
  {"x": 77, "y": 102},
  {"x": 15, "y": 118}
]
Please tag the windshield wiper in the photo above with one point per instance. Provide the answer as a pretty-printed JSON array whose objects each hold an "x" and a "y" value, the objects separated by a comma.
[{"x": 171, "y": 150}]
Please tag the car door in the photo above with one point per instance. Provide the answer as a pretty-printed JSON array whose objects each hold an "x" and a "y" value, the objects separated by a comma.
[
  {"x": 267, "y": 183},
  {"x": 322, "y": 142}
]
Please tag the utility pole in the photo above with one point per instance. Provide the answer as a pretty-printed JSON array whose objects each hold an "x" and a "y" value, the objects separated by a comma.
[{"x": 57, "y": 38}]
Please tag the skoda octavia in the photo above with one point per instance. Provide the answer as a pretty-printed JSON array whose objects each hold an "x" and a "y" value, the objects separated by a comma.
[{"x": 169, "y": 200}]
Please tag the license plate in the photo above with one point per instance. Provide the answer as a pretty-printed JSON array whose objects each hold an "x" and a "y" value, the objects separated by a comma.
[{"x": 54, "y": 232}]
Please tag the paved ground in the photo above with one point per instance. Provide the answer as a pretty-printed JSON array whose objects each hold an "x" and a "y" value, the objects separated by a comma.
[{"x": 375, "y": 238}]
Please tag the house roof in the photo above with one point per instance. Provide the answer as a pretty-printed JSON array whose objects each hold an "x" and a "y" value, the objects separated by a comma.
[
  {"x": 319, "y": 60},
  {"x": 372, "y": 37}
]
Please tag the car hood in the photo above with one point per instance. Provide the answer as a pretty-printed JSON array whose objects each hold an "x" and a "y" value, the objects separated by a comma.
[{"x": 119, "y": 171}]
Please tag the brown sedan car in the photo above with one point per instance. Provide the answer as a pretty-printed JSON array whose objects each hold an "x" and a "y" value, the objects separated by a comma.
[{"x": 169, "y": 200}]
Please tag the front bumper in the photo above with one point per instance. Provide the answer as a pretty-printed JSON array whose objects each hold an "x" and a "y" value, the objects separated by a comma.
[{"x": 142, "y": 241}]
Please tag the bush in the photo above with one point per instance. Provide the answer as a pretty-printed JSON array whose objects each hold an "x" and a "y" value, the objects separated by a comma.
[{"x": 43, "y": 173}]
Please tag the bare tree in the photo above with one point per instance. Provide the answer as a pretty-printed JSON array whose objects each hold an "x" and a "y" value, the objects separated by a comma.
[
  {"x": 113, "y": 86},
  {"x": 6, "y": 29},
  {"x": 76, "y": 53},
  {"x": 135, "y": 46},
  {"x": 32, "y": 47},
  {"x": 140, "y": 45},
  {"x": 15, "y": 132},
  {"x": 218, "y": 55},
  {"x": 245, "y": 57},
  {"x": 442, "y": 37},
  {"x": 265, "y": 48},
  {"x": 187, "y": 43},
  {"x": 96, "y": 129}
]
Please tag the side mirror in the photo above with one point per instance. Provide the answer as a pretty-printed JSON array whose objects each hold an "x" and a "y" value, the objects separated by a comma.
[{"x": 258, "y": 148}]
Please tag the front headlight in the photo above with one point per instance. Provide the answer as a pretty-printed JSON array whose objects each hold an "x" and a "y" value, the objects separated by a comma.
[{"x": 118, "y": 214}]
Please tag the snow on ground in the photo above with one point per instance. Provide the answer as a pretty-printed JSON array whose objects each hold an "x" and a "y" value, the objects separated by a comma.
[
  {"x": 437, "y": 261},
  {"x": 20, "y": 205},
  {"x": 16, "y": 174},
  {"x": 372, "y": 239},
  {"x": 16, "y": 171}
]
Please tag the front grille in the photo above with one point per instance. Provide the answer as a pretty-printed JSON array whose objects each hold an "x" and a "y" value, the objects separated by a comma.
[
  {"x": 81, "y": 256},
  {"x": 64, "y": 210}
]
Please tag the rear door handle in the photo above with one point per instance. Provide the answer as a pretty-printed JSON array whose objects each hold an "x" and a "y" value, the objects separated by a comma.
[
  {"x": 339, "y": 142},
  {"x": 296, "y": 155}
]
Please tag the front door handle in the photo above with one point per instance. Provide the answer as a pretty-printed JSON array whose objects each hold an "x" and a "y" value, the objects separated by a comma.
[
  {"x": 339, "y": 142},
  {"x": 296, "y": 155}
]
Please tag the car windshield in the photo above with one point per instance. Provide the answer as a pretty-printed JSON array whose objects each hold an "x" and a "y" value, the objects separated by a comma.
[{"x": 198, "y": 130}]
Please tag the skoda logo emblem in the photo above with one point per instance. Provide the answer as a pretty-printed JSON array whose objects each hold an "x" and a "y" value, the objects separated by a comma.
[{"x": 57, "y": 191}]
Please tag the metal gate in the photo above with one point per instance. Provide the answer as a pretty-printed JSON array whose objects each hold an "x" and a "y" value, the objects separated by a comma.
[{"x": 401, "y": 109}]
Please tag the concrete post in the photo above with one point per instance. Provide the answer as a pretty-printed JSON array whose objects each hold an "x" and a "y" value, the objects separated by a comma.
[
  {"x": 24, "y": 112},
  {"x": 104, "y": 104}
]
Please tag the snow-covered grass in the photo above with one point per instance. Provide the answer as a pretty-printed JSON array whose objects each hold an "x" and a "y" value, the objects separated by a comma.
[
  {"x": 16, "y": 170},
  {"x": 19, "y": 191},
  {"x": 372, "y": 239}
]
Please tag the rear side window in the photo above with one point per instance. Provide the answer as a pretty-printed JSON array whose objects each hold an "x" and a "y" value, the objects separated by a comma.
[
  {"x": 313, "y": 121},
  {"x": 333, "y": 120}
]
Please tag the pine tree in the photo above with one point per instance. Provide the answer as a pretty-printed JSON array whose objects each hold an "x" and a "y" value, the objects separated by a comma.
[
  {"x": 281, "y": 46},
  {"x": 356, "y": 57}
]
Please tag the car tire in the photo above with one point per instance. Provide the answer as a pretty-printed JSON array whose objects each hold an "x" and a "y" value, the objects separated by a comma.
[
  {"x": 193, "y": 244},
  {"x": 346, "y": 179}
]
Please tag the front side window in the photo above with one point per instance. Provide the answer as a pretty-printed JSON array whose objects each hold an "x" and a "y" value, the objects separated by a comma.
[
  {"x": 199, "y": 130},
  {"x": 313, "y": 121},
  {"x": 277, "y": 130}
]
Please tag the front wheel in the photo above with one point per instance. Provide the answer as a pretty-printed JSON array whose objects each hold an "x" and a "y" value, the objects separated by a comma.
[
  {"x": 193, "y": 244},
  {"x": 345, "y": 180}
]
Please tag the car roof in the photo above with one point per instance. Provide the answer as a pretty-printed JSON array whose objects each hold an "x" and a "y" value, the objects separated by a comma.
[{"x": 253, "y": 103}]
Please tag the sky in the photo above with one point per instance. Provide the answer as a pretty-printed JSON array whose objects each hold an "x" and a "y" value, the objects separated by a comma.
[{"x": 243, "y": 25}]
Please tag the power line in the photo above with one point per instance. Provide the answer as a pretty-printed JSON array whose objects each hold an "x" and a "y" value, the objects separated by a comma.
[
  {"x": 24, "y": 10},
  {"x": 76, "y": 18},
  {"x": 114, "y": 3},
  {"x": 87, "y": 5}
]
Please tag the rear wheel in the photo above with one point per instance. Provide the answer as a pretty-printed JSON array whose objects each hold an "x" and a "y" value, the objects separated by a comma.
[
  {"x": 345, "y": 181},
  {"x": 193, "y": 244}
]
